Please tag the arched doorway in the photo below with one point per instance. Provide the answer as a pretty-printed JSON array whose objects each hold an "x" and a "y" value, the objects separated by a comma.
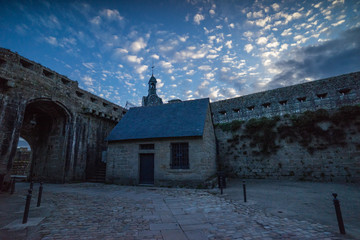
[{"x": 45, "y": 128}]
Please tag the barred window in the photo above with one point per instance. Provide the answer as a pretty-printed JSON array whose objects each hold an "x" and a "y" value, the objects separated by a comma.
[{"x": 180, "y": 155}]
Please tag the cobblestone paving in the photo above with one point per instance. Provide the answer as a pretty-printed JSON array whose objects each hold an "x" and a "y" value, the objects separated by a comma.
[{"x": 97, "y": 211}]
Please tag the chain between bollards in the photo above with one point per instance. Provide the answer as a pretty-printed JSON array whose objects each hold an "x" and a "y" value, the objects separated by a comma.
[
  {"x": 244, "y": 190},
  {"x": 338, "y": 214},
  {"x": 39, "y": 195}
]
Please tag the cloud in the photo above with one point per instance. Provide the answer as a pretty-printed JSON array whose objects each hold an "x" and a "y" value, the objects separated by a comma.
[
  {"x": 155, "y": 56},
  {"x": 248, "y": 34},
  {"x": 89, "y": 65},
  {"x": 330, "y": 58},
  {"x": 190, "y": 53},
  {"x": 204, "y": 68},
  {"x": 96, "y": 20},
  {"x": 286, "y": 32},
  {"x": 212, "y": 10},
  {"x": 273, "y": 44},
  {"x": 198, "y": 18},
  {"x": 183, "y": 38},
  {"x": 229, "y": 44},
  {"x": 88, "y": 81},
  {"x": 275, "y": 6},
  {"x": 138, "y": 45},
  {"x": 119, "y": 51},
  {"x": 134, "y": 59},
  {"x": 262, "y": 40},
  {"x": 190, "y": 72},
  {"x": 338, "y": 23},
  {"x": 338, "y": 2},
  {"x": 165, "y": 64},
  {"x": 212, "y": 56},
  {"x": 317, "y": 5},
  {"x": 284, "y": 47},
  {"x": 209, "y": 76},
  {"x": 51, "y": 40},
  {"x": 141, "y": 69},
  {"x": 258, "y": 14},
  {"x": 248, "y": 48},
  {"x": 261, "y": 22},
  {"x": 112, "y": 15}
]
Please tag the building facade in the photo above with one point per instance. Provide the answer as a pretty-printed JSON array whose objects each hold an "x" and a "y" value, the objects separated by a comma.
[{"x": 170, "y": 144}]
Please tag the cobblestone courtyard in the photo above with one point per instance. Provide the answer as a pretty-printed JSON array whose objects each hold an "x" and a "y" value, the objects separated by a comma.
[{"x": 99, "y": 211}]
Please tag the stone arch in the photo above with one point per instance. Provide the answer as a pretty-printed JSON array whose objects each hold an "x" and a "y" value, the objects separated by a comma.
[{"x": 45, "y": 127}]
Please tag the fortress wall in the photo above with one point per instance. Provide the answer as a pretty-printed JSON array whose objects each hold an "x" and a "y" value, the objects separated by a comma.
[
  {"x": 308, "y": 146},
  {"x": 329, "y": 93}
]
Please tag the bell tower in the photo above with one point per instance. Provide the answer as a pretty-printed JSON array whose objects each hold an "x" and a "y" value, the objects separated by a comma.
[{"x": 152, "y": 99}]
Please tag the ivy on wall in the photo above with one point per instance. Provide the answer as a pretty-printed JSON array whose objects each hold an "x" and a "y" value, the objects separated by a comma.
[{"x": 313, "y": 130}]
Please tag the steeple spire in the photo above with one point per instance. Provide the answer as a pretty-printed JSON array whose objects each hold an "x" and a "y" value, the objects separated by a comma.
[{"x": 152, "y": 68}]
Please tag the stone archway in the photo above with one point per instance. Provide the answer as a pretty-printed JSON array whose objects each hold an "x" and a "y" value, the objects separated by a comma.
[{"x": 46, "y": 128}]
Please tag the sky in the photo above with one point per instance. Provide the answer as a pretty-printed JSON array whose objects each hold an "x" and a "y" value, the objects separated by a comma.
[{"x": 216, "y": 49}]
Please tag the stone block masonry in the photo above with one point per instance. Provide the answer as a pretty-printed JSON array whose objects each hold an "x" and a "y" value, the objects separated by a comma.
[
  {"x": 329, "y": 93},
  {"x": 64, "y": 124},
  {"x": 313, "y": 146}
]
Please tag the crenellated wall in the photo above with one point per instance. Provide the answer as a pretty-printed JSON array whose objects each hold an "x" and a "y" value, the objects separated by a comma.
[{"x": 329, "y": 93}]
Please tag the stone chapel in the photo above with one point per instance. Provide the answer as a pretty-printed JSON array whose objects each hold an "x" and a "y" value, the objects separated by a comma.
[{"x": 163, "y": 144}]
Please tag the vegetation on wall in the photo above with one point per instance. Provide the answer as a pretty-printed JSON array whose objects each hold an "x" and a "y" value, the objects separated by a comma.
[
  {"x": 262, "y": 134},
  {"x": 231, "y": 126},
  {"x": 313, "y": 130}
]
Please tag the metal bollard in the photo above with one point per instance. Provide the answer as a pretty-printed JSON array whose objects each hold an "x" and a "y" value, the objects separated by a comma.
[
  {"x": 39, "y": 195},
  {"x": 221, "y": 181},
  {"x": 27, "y": 206},
  {"x": 12, "y": 185},
  {"x": 244, "y": 190},
  {"x": 338, "y": 214}
]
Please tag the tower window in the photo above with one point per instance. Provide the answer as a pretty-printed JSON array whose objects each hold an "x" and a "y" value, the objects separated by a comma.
[
  {"x": 344, "y": 91},
  {"x": 322, "y": 95},
  {"x": 266, "y": 105},
  {"x": 301, "y": 99},
  {"x": 284, "y": 102}
]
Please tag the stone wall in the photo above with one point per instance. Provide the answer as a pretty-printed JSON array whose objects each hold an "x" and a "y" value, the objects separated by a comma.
[
  {"x": 123, "y": 160},
  {"x": 65, "y": 126},
  {"x": 317, "y": 146},
  {"x": 329, "y": 93},
  {"x": 21, "y": 165}
]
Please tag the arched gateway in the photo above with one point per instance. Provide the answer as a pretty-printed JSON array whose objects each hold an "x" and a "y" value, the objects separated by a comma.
[{"x": 64, "y": 125}]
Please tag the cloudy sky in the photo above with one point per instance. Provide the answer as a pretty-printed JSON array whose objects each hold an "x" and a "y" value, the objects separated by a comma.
[{"x": 216, "y": 49}]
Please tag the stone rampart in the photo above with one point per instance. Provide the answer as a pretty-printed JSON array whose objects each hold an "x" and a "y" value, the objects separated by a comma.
[
  {"x": 65, "y": 125},
  {"x": 329, "y": 93},
  {"x": 312, "y": 146}
]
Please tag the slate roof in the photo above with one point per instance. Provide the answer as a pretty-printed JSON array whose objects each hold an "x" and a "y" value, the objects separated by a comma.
[{"x": 182, "y": 119}]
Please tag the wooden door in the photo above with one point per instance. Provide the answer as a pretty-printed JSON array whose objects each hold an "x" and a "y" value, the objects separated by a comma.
[{"x": 147, "y": 168}]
